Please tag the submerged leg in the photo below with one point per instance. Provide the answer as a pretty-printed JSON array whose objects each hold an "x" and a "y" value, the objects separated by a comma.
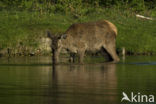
[
  {"x": 111, "y": 49},
  {"x": 81, "y": 54},
  {"x": 72, "y": 58},
  {"x": 106, "y": 54}
]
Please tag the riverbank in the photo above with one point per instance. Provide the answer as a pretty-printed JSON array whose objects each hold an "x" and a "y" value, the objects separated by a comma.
[{"x": 24, "y": 32}]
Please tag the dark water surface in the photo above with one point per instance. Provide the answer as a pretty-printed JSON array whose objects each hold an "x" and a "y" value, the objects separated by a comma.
[{"x": 32, "y": 80}]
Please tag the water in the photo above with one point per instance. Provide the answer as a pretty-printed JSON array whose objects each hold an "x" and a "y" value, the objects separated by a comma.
[{"x": 32, "y": 80}]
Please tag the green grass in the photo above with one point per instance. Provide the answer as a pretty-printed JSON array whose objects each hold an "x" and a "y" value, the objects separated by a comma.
[
  {"x": 27, "y": 26},
  {"x": 136, "y": 35}
]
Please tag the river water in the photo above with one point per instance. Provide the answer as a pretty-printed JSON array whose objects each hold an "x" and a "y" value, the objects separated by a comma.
[{"x": 33, "y": 80}]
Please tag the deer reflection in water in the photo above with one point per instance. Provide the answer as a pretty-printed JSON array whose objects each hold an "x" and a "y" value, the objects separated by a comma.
[{"x": 98, "y": 82}]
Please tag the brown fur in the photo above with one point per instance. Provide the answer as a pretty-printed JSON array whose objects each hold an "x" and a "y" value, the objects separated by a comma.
[{"x": 91, "y": 36}]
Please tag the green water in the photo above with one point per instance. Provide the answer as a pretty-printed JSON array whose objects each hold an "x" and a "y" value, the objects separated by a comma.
[{"x": 32, "y": 80}]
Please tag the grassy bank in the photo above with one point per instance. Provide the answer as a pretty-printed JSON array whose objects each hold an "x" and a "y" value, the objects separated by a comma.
[{"x": 21, "y": 31}]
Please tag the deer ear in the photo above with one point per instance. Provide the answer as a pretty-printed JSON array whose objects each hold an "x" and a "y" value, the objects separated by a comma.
[
  {"x": 50, "y": 35},
  {"x": 64, "y": 36}
]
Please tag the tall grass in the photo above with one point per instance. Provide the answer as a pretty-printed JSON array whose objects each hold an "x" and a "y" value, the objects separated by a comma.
[{"x": 27, "y": 27}]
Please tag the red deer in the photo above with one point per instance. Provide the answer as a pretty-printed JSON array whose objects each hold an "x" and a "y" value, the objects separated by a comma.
[{"x": 82, "y": 37}]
